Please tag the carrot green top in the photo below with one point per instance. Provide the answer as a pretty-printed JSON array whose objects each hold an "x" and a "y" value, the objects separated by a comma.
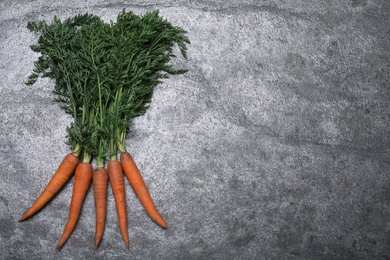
[{"x": 105, "y": 73}]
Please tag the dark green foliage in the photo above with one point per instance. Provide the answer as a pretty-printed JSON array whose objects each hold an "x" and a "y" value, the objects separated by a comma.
[{"x": 105, "y": 73}]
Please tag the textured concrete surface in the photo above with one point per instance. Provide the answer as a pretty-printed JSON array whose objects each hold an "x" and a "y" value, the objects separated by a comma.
[{"x": 275, "y": 145}]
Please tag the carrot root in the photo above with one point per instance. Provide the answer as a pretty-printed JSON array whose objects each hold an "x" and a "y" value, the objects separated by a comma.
[
  {"x": 117, "y": 184},
  {"x": 83, "y": 177},
  {"x": 136, "y": 181},
  {"x": 100, "y": 181},
  {"x": 59, "y": 179}
]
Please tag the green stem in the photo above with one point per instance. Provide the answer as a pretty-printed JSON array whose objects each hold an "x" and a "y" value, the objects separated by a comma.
[
  {"x": 100, "y": 162},
  {"x": 73, "y": 101},
  {"x": 88, "y": 111},
  {"x": 101, "y": 153},
  {"x": 86, "y": 157},
  {"x": 76, "y": 150},
  {"x": 99, "y": 88},
  {"x": 113, "y": 149},
  {"x": 121, "y": 143},
  {"x": 101, "y": 111},
  {"x": 100, "y": 100}
]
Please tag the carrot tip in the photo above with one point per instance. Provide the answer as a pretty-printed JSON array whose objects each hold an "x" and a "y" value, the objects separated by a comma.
[
  {"x": 127, "y": 242},
  {"x": 60, "y": 244},
  {"x": 161, "y": 222},
  {"x": 24, "y": 217}
]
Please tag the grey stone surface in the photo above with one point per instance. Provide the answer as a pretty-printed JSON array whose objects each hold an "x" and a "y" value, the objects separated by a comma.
[{"x": 275, "y": 144}]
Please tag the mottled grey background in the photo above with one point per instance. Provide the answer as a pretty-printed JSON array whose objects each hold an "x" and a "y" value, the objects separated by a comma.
[{"x": 275, "y": 144}]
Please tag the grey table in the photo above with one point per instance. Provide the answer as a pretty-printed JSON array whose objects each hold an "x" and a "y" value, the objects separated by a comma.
[{"x": 275, "y": 144}]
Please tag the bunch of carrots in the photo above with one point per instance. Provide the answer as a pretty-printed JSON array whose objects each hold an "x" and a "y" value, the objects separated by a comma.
[{"x": 104, "y": 75}]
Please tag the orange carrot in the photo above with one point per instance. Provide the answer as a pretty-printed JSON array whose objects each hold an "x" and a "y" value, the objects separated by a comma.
[
  {"x": 83, "y": 177},
  {"x": 133, "y": 175},
  {"x": 100, "y": 180},
  {"x": 62, "y": 175},
  {"x": 118, "y": 188}
]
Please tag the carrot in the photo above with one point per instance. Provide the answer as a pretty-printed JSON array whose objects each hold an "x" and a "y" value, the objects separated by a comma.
[
  {"x": 133, "y": 175},
  {"x": 62, "y": 175},
  {"x": 100, "y": 180},
  {"x": 83, "y": 177},
  {"x": 118, "y": 188}
]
